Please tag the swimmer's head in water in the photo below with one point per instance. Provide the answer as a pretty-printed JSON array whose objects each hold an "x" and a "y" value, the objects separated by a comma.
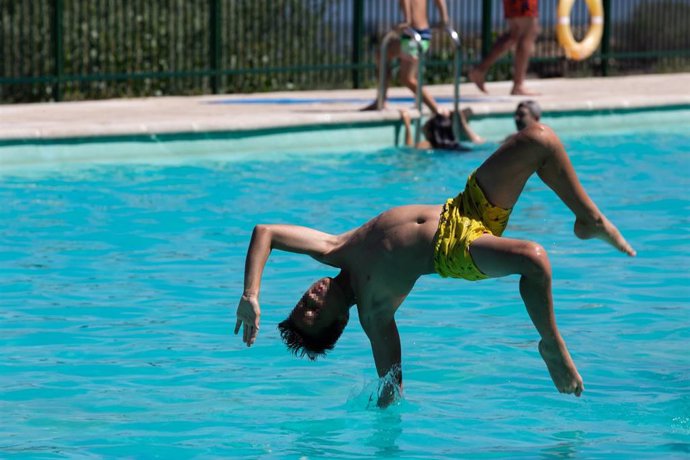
[
  {"x": 526, "y": 114},
  {"x": 438, "y": 130},
  {"x": 318, "y": 319}
]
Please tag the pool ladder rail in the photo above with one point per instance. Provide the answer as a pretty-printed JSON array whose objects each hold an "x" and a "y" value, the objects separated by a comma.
[{"x": 457, "y": 60}]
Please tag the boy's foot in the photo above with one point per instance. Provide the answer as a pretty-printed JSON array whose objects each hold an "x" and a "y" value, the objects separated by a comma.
[
  {"x": 561, "y": 367},
  {"x": 604, "y": 230}
]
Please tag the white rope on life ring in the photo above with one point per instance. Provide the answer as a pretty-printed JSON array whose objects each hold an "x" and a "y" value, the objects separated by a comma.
[{"x": 580, "y": 50}]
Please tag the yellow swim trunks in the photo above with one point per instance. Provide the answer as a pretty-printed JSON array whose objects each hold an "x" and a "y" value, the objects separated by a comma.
[{"x": 464, "y": 219}]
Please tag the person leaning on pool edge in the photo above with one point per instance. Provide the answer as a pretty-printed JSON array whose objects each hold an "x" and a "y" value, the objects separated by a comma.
[
  {"x": 439, "y": 134},
  {"x": 380, "y": 261}
]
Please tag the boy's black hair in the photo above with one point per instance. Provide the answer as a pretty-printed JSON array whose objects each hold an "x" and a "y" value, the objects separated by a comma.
[{"x": 301, "y": 344}]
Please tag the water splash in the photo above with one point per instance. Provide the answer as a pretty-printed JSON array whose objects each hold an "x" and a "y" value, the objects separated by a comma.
[{"x": 368, "y": 395}]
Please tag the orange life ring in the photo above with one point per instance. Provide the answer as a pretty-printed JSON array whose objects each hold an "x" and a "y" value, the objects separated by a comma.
[{"x": 580, "y": 50}]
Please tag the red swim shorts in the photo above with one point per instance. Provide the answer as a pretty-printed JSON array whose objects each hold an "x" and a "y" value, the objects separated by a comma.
[{"x": 521, "y": 8}]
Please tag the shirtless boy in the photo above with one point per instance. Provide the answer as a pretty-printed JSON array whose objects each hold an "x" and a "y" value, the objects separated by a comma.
[
  {"x": 415, "y": 16},
  {"x": 381, "y": 260}
]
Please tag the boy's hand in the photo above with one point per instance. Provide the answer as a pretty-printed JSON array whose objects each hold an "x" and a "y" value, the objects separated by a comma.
[{"x": 248, "y": 313}]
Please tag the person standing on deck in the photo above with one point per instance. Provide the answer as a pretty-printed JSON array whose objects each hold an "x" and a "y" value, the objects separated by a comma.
[
  {"x": 523, "y": 28},
  {"x": 405, "y": 49}
]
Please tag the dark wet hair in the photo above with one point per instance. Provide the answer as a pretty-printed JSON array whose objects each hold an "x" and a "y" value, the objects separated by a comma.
[
  {"x": 533, "y": 107},
  {"x": 438, "y": 130},
  {"x": 301, "y": 344}
]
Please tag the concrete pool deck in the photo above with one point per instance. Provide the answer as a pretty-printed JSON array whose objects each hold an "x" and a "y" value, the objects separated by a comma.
[{"x": 233, "y": 113}]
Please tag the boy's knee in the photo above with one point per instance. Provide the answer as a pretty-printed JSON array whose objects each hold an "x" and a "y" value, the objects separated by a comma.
[{"x": 536, "y": 260}]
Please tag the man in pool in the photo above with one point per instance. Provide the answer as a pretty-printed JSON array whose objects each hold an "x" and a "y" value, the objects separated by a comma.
[
  {"x": 527, "y": 113},
  {"x": 380, "y": 261}
]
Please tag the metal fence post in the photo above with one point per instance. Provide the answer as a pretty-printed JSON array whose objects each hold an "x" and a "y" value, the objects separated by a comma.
[
  {"x": 487, "y": 10},
  {"x": 357, "y": 35},
  {"x": 214, "y": 43},
  {"x": 606, "y": 39},
  {"x": 57, "y": 49}
]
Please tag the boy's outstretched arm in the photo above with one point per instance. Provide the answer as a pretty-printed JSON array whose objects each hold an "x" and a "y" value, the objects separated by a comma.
[{"x": 291, "y": 238}]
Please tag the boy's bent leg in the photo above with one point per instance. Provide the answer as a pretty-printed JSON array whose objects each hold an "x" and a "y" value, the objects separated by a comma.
[
  {"x": 497, "y": 257},
  {"x": 537, "y": 149},
  {"x": 558, "y": 173}
]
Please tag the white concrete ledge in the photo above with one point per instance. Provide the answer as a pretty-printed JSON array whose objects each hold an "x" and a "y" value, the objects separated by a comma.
[{"x": 121, "y": 117}]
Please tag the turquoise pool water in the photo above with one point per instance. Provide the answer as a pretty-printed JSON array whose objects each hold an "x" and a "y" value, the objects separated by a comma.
[{"x": 119, "y": 286}]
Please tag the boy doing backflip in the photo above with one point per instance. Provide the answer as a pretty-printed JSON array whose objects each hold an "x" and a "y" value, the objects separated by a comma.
[{"x": 380, "y": 261}]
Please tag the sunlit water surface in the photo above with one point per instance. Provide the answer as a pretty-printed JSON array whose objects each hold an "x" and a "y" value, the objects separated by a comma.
[{"x": 119, "y": 286}]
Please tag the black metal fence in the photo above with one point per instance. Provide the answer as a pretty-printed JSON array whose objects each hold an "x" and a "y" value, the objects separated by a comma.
[{"x": 91, "y": 49}]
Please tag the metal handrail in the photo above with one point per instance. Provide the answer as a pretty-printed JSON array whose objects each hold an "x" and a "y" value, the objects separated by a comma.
[
  {"x": 455, "y": 38},
  {"x": 414, "y": 35}
]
